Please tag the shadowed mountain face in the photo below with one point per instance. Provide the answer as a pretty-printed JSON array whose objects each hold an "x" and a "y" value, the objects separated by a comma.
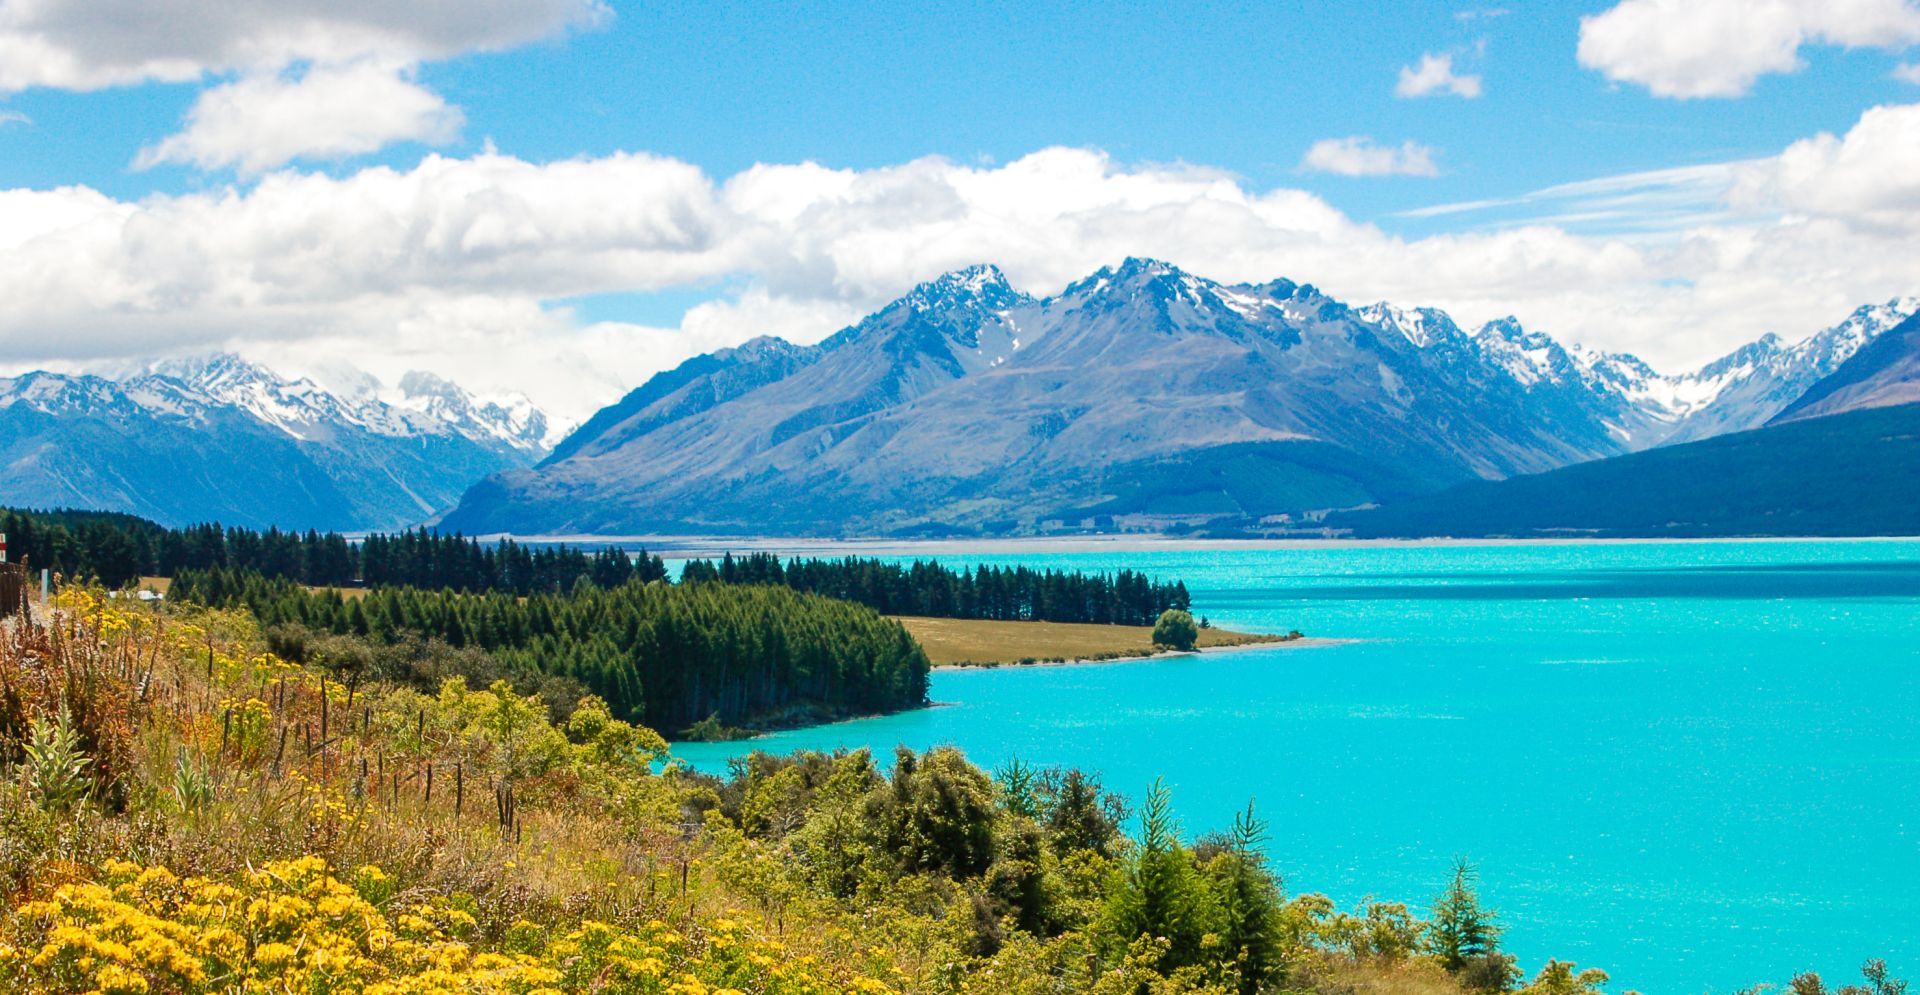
[
  {"x": 1883, "y": 373},
  {"x": 968, "y": 407},
  {"x": 1849, "y": 474}
]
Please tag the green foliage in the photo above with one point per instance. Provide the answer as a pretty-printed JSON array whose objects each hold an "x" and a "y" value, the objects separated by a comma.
[
  {"x": 940, "y": 814},
  {"x": 1175, "y": 629},
  {"x": 1159, "y": 893},
  {"x": 1250, "y": 903},
  {"x": 192, "y": 785},
  {"x": 56, "y": 765},
  {"x": 509, "y": 731},
  {"x": 118, "y": 549},
  {"x": 1018, "y": 784},
  {"x": 1879, "y": 981},
  {"x": 1465, "y": 937},
  {"x": 925, "y": 587},
  {"x": 1559, "y": 978},
  {"x": 1078, "y": 815},
  {"x": 665, "y": 655}
]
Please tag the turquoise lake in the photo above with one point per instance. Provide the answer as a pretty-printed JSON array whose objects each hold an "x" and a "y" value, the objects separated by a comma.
[{"x": 1696, "y": 765}]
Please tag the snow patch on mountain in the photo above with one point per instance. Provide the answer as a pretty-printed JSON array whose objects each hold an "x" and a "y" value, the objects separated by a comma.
[{"x": 192, "y": 389}]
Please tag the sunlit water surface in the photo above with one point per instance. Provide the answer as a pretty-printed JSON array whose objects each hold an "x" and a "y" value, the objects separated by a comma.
[{"x": 1696, "y": 765}]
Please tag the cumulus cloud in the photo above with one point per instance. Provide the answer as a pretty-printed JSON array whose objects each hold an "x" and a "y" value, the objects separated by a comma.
[
  {"x": 1865, "y": 179},
  {"x": 1435, "y": 75},
  {"x": 465, "y": 265},
  {"x": 319, "y": 79},
  {"x": 328, "y": 112},
  {"x": 90, "y": 44},
  {"x": 1360, "y": 155},
  {"x": 1718, "y": 48}
]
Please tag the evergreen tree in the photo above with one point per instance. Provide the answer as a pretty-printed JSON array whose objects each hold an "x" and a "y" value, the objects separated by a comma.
[
  {"x": 1464, "y": 936},
  {"x": 1250, "y": 903},
  {"x": 1159, "y": 893}
]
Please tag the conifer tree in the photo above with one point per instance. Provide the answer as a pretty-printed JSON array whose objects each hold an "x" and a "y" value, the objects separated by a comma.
[{"x": 1463, "y": 935}]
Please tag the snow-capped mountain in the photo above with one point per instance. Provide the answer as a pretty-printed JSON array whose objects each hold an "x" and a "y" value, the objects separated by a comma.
[
  {"x": 1640, "y": 406},
  {"x": 513, "y": 422},
  {"x": 421, "y": 404},
  {"x": 217, "y": 437},
  {"x": 1141, "y": 392},
  {"x": 1883, "y": 372},
  {"x": 1749, "y": 386}
]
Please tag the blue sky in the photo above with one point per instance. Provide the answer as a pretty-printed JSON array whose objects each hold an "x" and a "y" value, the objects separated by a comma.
[{"x": 231, "y": 130}]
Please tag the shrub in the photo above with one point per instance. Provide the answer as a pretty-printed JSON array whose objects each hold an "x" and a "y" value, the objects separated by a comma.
[{"x": 1175, "y": 629}]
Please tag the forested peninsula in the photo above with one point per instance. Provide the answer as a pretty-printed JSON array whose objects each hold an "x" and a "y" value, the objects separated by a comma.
[
  {"x": 734, "y": 646},
  {"x": 670, "y": 656}
]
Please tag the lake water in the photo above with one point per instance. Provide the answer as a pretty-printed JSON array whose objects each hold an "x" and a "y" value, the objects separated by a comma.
[{"x": 1696, "y": 765}]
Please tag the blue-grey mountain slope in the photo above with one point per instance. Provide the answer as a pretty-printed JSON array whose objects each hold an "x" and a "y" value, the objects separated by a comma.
[
  {"x": 222, "y": 439},
  {"x": 1849, "y": 474},
  {"x": 1883, "y": 373},
  {"x": 1142, "y": 394}
]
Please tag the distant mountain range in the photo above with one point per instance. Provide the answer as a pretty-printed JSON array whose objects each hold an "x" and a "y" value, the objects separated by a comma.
[
  {"x": 1842, "y": 459},
  {"x": 219, "y": 438},
  {"x": 1142, "y": 396}
]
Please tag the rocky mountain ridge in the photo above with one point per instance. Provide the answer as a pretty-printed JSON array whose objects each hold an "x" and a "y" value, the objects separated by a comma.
[{"x": 1142, "y": 393}]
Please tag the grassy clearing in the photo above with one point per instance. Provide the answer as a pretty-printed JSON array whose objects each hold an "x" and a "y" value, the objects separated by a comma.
[
  {"x": 161, "y": 585},
  {"x": 954, "y": 642}
]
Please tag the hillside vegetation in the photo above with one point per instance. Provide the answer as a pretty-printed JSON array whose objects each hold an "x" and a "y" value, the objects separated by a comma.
[{"x": 669, "y": 655}]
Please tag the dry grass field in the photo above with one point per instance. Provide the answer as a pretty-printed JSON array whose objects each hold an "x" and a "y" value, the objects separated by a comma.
[
  {"x": 160, "y": 585},
  {"x": 952, "y": 642}
]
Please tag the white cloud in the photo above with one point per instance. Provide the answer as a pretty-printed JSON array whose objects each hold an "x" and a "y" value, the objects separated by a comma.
[
  {"x": 259, "y": 122},
  {"x": 1359, "y": 155},
  {"x": 13, "y": 117},
  {"x": 1907, "y": 72},
  {"x": 90, "y": 44},
  {"x": 463, "y": 265},
  {"x": 1863, "y": 180},
  {"x": 1718, "y": 48},
  {"x": 322, "y": 79},
  {"x": 1435, "y": 75}
]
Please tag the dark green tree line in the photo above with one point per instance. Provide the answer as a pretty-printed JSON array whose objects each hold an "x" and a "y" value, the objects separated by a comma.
[
  {"x": 925, "y": 587},
  {"x": 666, "y": 655},
  {"x": 118, "y": 549}
]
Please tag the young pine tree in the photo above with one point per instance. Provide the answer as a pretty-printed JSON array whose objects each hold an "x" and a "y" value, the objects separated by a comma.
[
  {"x": 1462, "y": 932},
  {"x": 1160, "y": 893},
  {"x": 1250, "y": 904}
]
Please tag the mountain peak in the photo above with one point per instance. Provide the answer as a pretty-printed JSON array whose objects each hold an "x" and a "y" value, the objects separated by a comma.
[
  {"x": 420, "y": 383},
  {"x": 981, "y": 285},
  {"x": 210, "y": 369},
  {"x": 1508, "y": 328}
]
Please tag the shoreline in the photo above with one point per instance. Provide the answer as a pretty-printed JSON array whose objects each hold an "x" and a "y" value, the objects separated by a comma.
[
  {"x": 681, "y": 547},
  {"x": 1304, "y": 642}
]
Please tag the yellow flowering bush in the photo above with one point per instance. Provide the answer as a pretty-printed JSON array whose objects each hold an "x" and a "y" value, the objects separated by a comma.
[{"x": 292, "y": 926}]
